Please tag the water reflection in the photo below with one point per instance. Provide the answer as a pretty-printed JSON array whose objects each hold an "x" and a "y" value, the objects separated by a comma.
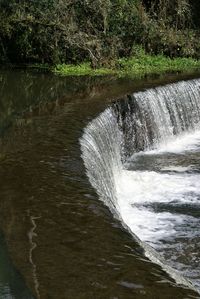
[
  {"x": 12, "y": 285},
  {"x": 33, "y": 245}
]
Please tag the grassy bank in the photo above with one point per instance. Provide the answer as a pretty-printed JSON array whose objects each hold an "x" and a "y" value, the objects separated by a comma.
[{"x": 137, "y": 66}]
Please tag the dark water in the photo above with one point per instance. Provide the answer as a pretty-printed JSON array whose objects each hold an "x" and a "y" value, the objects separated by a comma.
[
  {"x": 60, "y": 241},
  {"x": 12, "y": 284}
]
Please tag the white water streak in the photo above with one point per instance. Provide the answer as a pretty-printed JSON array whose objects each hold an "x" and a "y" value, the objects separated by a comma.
[{"x": 33, "y": 246}]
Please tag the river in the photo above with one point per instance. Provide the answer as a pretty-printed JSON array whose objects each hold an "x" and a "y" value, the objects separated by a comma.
[{"x": 58, "y": 240}]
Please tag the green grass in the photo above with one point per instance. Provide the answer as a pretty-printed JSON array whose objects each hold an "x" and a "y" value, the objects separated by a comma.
[
  {"x": 146, "y": 64},
  {"x": 81, "y": 70},
  {"x": 137, "y": 66}
]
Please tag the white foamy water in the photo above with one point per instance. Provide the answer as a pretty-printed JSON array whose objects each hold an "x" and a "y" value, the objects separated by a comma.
[
  {"x": 154, "y": 205},
  {"x": 137, "y": 190},
  {"x": 179, "y": 144}
]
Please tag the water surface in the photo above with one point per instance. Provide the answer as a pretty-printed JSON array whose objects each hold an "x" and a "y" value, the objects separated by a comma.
[{"x": 62, "y": 241}]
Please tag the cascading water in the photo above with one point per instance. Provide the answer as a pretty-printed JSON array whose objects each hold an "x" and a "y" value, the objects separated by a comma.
[{"x": 142, "y": 157}]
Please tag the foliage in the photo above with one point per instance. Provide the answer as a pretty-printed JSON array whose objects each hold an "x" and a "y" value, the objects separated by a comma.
[{"x": 98, "y": 31}]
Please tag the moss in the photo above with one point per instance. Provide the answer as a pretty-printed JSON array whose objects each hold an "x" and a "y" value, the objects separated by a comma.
[{"x": 135, "y": 66}]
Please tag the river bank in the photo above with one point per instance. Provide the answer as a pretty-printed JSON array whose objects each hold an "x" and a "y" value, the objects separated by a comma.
[{"x": 136, "y": 67}]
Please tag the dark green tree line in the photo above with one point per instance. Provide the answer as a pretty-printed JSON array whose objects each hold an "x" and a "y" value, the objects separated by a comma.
[{"x": 71, "y": 31}]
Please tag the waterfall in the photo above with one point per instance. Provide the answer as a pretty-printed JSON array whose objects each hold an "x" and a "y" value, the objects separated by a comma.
[
  {"x": 150, "y": 118},
  {"x": 137, "y": 130},
  {"x": 101, "y": 151}
]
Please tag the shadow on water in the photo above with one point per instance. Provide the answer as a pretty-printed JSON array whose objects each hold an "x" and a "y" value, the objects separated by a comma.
[
  {"x": 63, "y": 241},
  {"x": 11, "y": 282}
]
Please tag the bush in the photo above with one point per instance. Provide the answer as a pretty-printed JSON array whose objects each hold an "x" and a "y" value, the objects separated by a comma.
[{"x": 99, "y": 31}]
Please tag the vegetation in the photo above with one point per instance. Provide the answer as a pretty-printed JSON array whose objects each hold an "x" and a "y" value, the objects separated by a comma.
[
  {"x": 82, "y": 69},
  {"x": 136, "y": 66},
  {"x": 101, "y": 35},
  {"x": 157, "y": 64}
]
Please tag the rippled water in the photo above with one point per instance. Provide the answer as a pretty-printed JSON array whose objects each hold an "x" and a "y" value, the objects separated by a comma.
[{"x": 62, "y": 241}]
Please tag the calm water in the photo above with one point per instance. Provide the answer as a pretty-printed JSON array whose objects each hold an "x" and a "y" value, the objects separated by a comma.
[{"x": 58, "y": 240}]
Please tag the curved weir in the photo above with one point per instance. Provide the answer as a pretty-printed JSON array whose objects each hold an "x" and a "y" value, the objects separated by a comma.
[{"x": 142, "y": 157}]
